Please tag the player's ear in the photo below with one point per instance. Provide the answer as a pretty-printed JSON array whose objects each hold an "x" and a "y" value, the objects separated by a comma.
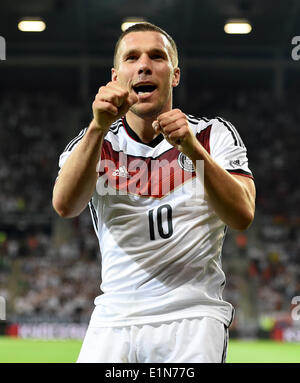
[
  {"x": 114, "y": 74},
  {"x": 176, "y": 77}
]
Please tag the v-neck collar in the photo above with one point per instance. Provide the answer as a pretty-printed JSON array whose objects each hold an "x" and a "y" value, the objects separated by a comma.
[{"x": 131, "y": 133}]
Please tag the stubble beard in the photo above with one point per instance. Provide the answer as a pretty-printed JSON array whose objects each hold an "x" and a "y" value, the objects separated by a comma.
[{"x": 151, "y": 113}]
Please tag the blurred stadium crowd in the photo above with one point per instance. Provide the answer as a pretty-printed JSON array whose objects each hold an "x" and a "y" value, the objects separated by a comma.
[{"x": 50, "y": 267}]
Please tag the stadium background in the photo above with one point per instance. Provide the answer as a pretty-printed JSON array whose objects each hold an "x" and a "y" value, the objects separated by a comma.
[{"x": 49, "y": 267}]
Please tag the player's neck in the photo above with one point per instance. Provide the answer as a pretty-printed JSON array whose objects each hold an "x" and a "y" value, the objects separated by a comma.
[{"x": 142, "y": 127}]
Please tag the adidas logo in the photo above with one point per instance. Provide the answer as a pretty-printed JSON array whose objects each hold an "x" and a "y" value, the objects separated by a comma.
[
  {"x": 121, "y": 172},
  {"x": 235, "y": 163}
]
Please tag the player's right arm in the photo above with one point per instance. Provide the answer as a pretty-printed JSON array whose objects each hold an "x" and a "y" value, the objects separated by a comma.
[{"x": 77, "y": 179}]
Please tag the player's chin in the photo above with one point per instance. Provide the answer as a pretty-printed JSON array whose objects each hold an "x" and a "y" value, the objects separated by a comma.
[{"x": 145, "y": 110}]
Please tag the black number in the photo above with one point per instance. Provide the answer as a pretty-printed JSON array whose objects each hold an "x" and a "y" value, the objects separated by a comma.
[
  {"x": 151, "y": 225},
  {"x": 160, "y": 222}
]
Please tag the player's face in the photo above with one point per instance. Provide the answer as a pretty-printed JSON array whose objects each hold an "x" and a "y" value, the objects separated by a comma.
[{"x": 145, "y": 68}]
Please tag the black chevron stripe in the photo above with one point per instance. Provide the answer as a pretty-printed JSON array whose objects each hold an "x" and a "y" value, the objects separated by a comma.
[{"x": 73, "y": 142}]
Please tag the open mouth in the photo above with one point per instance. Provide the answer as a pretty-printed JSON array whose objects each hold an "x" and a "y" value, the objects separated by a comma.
[{"x": 144, "y": 88}]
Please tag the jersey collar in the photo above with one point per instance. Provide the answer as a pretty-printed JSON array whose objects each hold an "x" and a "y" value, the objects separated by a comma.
[{"x": 131, "y": 133}]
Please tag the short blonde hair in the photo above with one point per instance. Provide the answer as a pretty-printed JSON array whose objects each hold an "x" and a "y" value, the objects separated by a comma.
[{"x": 146, "y": 27}]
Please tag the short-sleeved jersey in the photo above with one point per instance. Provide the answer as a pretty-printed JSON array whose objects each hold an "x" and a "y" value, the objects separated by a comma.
[{"x": 160, "y": 240}]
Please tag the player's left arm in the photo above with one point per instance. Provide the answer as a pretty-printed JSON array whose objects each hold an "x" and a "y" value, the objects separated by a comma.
[{"x": 231, "y": 196}]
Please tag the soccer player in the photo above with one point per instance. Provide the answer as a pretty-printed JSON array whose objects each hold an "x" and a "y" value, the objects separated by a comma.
[{"x": 162, "y": 186}]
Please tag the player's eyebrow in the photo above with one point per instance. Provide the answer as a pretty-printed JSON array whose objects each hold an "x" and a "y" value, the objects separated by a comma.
[
  {"x": 160, "y": 52},
  {"x": 151, "y": 51},
  {"x": 130, "y": 52}
]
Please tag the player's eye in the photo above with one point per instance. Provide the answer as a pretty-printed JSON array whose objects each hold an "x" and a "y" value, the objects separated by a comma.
[
  {"x": 157, "y": 56},
  {"x": 131, "y": 58}
]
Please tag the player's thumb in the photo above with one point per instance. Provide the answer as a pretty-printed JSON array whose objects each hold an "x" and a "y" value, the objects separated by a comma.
[
  {"x": 132, "y": 99},
  {"x": 126, "y": 105},
  {"x": 156, "y": 126}
]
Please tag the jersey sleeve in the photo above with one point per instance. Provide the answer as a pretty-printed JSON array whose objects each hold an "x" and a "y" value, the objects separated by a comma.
[
  {"x": 70, "y": 147},
  {"x": 228, "y": 149}
]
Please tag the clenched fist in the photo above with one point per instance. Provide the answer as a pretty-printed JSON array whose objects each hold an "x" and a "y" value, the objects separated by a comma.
[
  {"x": 111, "y": 102},
  {"x": 176, "y": 130}
]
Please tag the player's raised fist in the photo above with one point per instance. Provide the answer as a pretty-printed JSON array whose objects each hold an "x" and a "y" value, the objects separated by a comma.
[
  {"x": 111, "y": 102},
  {"x": 175, "y": 128}
]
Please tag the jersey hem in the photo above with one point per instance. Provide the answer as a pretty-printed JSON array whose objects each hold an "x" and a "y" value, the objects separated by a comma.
[
  {"x": 161, "y": 319},
  {"x": 241, "y": 173}
]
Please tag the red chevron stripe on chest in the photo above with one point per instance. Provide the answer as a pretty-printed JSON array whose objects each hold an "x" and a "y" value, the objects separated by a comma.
[{"x": 147, "y": 176}]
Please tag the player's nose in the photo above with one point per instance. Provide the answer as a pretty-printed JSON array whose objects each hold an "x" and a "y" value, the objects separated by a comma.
[{"x": 144, "y": 65}]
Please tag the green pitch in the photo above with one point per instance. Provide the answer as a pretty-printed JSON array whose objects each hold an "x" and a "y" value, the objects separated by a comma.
[{"x": 14, "y": 350}]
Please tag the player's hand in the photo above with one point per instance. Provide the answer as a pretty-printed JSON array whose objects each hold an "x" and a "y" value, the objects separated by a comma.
[
  {"x": 176, "y": 130},
  {"x": 111, "y": 102}
]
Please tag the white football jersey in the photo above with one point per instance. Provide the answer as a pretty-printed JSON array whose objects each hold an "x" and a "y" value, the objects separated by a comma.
[{"x": 160, "y": 240}]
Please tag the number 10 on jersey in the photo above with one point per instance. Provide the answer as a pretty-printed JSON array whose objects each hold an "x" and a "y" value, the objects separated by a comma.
[{"x": 160, "y": 219}]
